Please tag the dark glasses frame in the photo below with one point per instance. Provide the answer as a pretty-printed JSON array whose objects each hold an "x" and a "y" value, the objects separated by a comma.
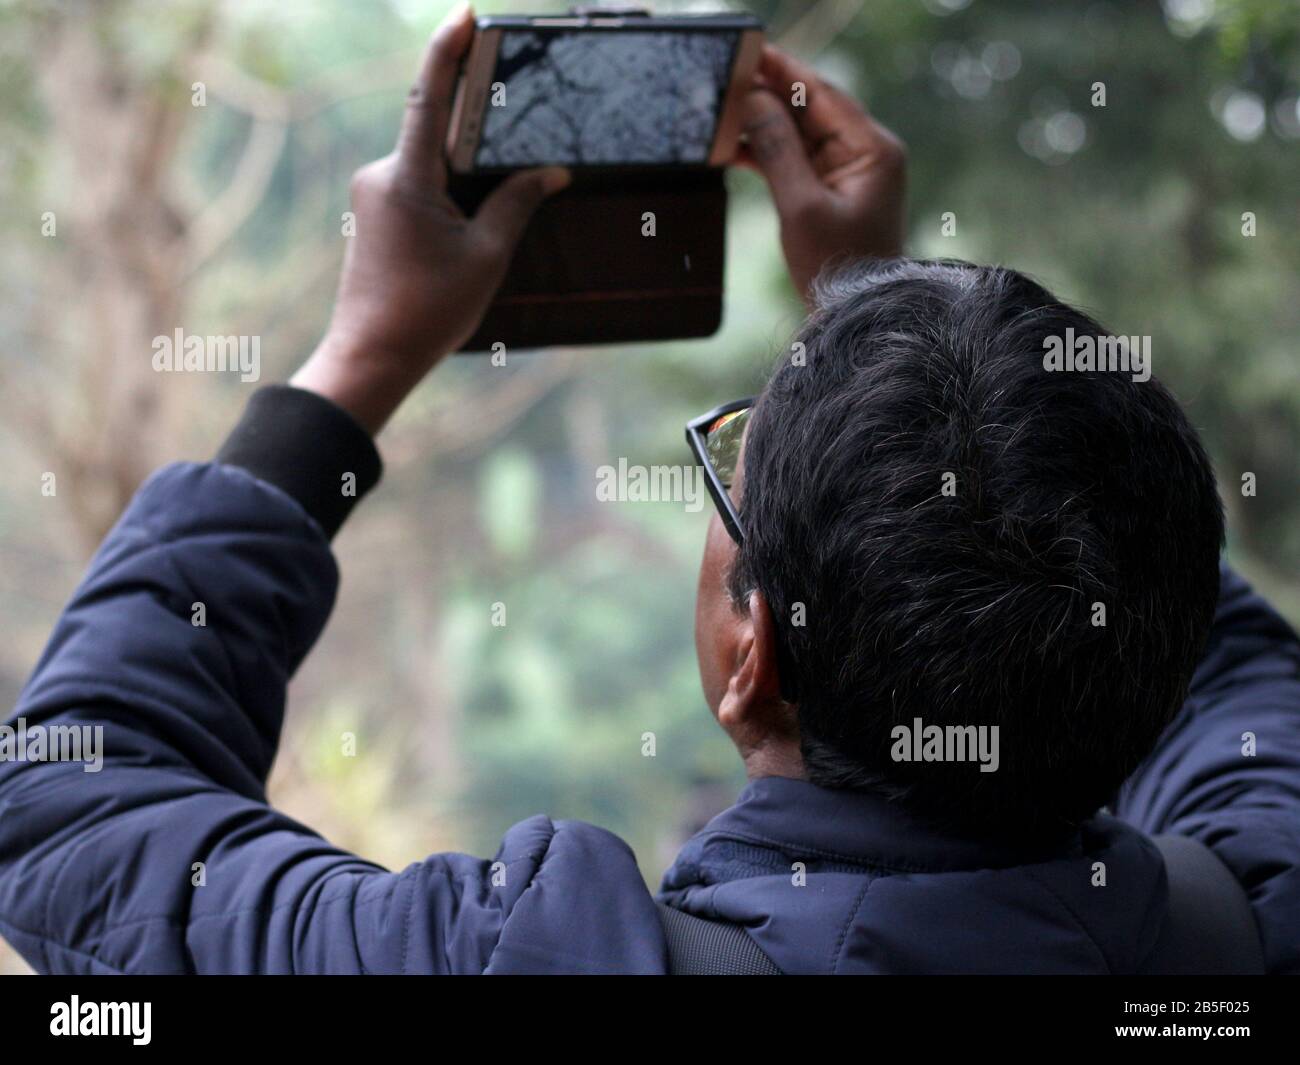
[{"x": 697, "y": 434}]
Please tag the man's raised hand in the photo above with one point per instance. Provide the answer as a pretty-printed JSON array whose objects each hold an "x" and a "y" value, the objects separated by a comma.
[
  {"x": 837, "y": 176},
  {"x": 418, "y": 275}
]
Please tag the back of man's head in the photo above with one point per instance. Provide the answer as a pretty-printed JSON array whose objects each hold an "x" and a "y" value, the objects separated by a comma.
[{"x": 972, "y": 539}]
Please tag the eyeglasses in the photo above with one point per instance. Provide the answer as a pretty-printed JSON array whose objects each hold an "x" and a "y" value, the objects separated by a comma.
[{"x": 715, "y": 439}]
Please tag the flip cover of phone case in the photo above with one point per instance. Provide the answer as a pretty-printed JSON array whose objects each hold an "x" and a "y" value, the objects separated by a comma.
[{"x": 588, "y": 270}]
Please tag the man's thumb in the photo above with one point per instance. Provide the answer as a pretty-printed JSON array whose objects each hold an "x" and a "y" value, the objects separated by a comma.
[{"x": 505, "y": 213}]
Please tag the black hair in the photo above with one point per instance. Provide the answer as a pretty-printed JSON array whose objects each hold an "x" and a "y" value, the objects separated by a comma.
[{"x": 943, "y": 513}]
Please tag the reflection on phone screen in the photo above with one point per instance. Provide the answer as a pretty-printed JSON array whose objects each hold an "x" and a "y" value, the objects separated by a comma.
[{"x": 602, "y": 99}]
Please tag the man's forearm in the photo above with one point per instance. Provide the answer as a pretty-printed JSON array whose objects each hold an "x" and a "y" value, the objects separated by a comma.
[
  {"x": 368, "y": 385},
  {"x": 172, "y": 660}
]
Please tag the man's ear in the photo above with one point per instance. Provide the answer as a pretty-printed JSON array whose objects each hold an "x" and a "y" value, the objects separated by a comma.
[{"x": 752, "y": 704}]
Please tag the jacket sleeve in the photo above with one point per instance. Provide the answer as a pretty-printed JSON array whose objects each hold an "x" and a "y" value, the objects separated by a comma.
[
  {"x": 157, "y": 850},
  {"x": 1227, "y": 771}
]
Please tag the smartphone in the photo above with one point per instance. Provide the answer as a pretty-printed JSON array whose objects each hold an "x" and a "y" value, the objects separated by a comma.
[{"x": 602, "y": 90}]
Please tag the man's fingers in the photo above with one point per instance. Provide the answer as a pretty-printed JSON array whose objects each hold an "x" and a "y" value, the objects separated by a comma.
[
  {"x": 774, "y": 147},
  {"x": 504, "y": 215},
  {"x": 836, "y": 127},
  {"x": 420, "y": 145},
  {"x": 785, "y": 75}
]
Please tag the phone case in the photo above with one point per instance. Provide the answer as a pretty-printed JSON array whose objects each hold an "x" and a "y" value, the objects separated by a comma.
[{"x": 619, "y": 256}]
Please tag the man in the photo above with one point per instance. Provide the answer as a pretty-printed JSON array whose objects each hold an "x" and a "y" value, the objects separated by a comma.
[{"x": 926, "y": 527}]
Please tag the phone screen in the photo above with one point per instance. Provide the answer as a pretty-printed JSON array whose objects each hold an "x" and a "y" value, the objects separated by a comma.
[{"x": 605, "y": 98}]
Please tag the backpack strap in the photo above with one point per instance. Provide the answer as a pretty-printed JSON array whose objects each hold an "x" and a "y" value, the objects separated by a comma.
[
  {"x": 697, "y": 947},
  {"x": 1211, "y": 926}
]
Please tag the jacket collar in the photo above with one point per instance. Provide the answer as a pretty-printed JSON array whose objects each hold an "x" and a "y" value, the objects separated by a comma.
[{"x": 802, "y": 820}]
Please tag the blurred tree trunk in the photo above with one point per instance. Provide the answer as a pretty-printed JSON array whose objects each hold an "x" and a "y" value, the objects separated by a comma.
[{"x": 117, "y": 279}]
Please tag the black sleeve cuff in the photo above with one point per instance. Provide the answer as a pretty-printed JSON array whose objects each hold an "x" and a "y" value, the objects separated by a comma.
[{"x": 308, "y": 448}]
